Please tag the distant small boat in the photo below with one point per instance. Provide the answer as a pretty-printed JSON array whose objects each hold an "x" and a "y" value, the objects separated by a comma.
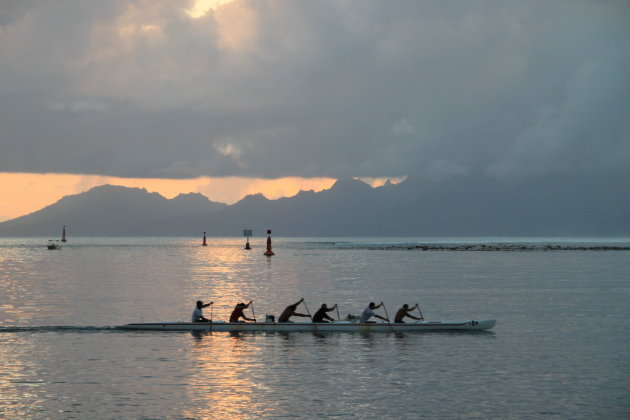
[{"x": 53, "y": 244}]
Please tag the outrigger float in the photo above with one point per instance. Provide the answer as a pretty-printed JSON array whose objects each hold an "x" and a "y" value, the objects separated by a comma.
[{"x": 337, "y": 326}]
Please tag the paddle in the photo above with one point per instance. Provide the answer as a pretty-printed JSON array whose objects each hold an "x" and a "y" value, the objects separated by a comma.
[
  {"x": 421, "y": 316},
  {"x": 386, "y": 316},
  {"x": 211, "y": 307},
  {"x": 253, "y": 313},
  {"x": 307, "y": 311},
  {"x": 337, "y": 307}
]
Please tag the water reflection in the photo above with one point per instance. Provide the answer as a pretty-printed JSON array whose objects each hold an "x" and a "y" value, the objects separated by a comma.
[
  {"x": 34, "y": 285},
  {"x": 223, "y": 386},
  {"x": 198, "y": 335},
  {"x": 18, "y": 383},
  {"x": 399, "y": 336},
  {"x": 225, "y": 273}
]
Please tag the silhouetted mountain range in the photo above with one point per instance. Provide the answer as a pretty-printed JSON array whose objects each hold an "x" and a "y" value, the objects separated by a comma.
[{"x": 414, "y": 207}]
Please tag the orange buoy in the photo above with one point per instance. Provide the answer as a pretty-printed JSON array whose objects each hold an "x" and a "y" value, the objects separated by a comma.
[
  {"x": 204, "y": 240},
  {"x": 269, "y": 252}
]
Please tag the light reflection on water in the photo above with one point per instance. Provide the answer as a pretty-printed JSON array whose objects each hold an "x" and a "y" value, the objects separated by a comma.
[
  {"x": 558, "y": 349},
  {"x": 224, "y": 362}
]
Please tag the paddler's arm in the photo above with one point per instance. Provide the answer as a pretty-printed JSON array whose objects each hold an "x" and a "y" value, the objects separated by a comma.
[
  {"x": 207, "y": 304},
  {"x": 413, "y": 317},
  {"x": 418, "y": 308}
]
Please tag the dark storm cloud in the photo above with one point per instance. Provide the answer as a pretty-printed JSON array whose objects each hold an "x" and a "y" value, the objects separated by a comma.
[{"x": 325, "y": 88}]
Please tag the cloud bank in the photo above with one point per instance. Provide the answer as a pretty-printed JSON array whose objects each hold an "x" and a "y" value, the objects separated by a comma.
[{"x": 339, "y": 88}]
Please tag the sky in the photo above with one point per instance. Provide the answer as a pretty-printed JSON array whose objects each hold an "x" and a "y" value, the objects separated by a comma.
[{"x": 233, "y": 97}]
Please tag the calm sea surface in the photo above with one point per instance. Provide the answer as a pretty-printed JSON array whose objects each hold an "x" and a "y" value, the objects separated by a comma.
[{"x": 560, "y": 349}]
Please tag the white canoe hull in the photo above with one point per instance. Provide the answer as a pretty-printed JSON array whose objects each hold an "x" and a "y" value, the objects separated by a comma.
[{"x": 345, "y": 326}]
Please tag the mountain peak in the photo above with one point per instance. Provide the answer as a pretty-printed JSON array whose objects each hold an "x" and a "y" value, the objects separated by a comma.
[
  {"x": 253, "y": 198},
  {"x": 305, "y": 193},
  {"x": 346, "y": 187},
  {"x": 197, "y": 197},
  {"x": 107, "y": 191},
  {"x": 350, "y": 184},
  {"x": 115, "y": 188},
  {"x": 190, "y": 195}
]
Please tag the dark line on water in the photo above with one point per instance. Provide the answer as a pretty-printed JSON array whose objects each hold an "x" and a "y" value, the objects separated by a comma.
[
  {"x": 56, "y": 329},
  {"x": 486, "y": 247}
]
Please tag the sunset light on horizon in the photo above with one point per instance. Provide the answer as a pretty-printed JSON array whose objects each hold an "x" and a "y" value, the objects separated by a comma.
[{"x": 24, "y": 193}]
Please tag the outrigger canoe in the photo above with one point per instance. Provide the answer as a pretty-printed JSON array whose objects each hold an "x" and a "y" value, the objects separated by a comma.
[{"x": 313, "y": 327}]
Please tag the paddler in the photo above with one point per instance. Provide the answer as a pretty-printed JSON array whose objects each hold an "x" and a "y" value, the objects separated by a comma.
[
  {"x": 404, "y": 312},
  {"x": 197, "y": 315},
  {"x": 290, "y": 311},
  {"x": 237, "y": 313},
  {"x": 321, "y": 315},
  {"x": 369, "y": 313}
]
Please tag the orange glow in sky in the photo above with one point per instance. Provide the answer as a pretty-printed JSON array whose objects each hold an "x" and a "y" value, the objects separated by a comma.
[{"x": 24, "y": 193}]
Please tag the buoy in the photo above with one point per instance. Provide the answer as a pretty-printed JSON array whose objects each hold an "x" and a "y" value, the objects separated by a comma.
[
  {"x": 204, "y": 240},
  {"x": 63, "y": 234},
  {"x": 247, "y": 233},
  {"x": 269, "y": 252}
]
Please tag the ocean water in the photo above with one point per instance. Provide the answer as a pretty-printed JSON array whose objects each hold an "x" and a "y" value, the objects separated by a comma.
[{"x": 560, "y": 349}]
